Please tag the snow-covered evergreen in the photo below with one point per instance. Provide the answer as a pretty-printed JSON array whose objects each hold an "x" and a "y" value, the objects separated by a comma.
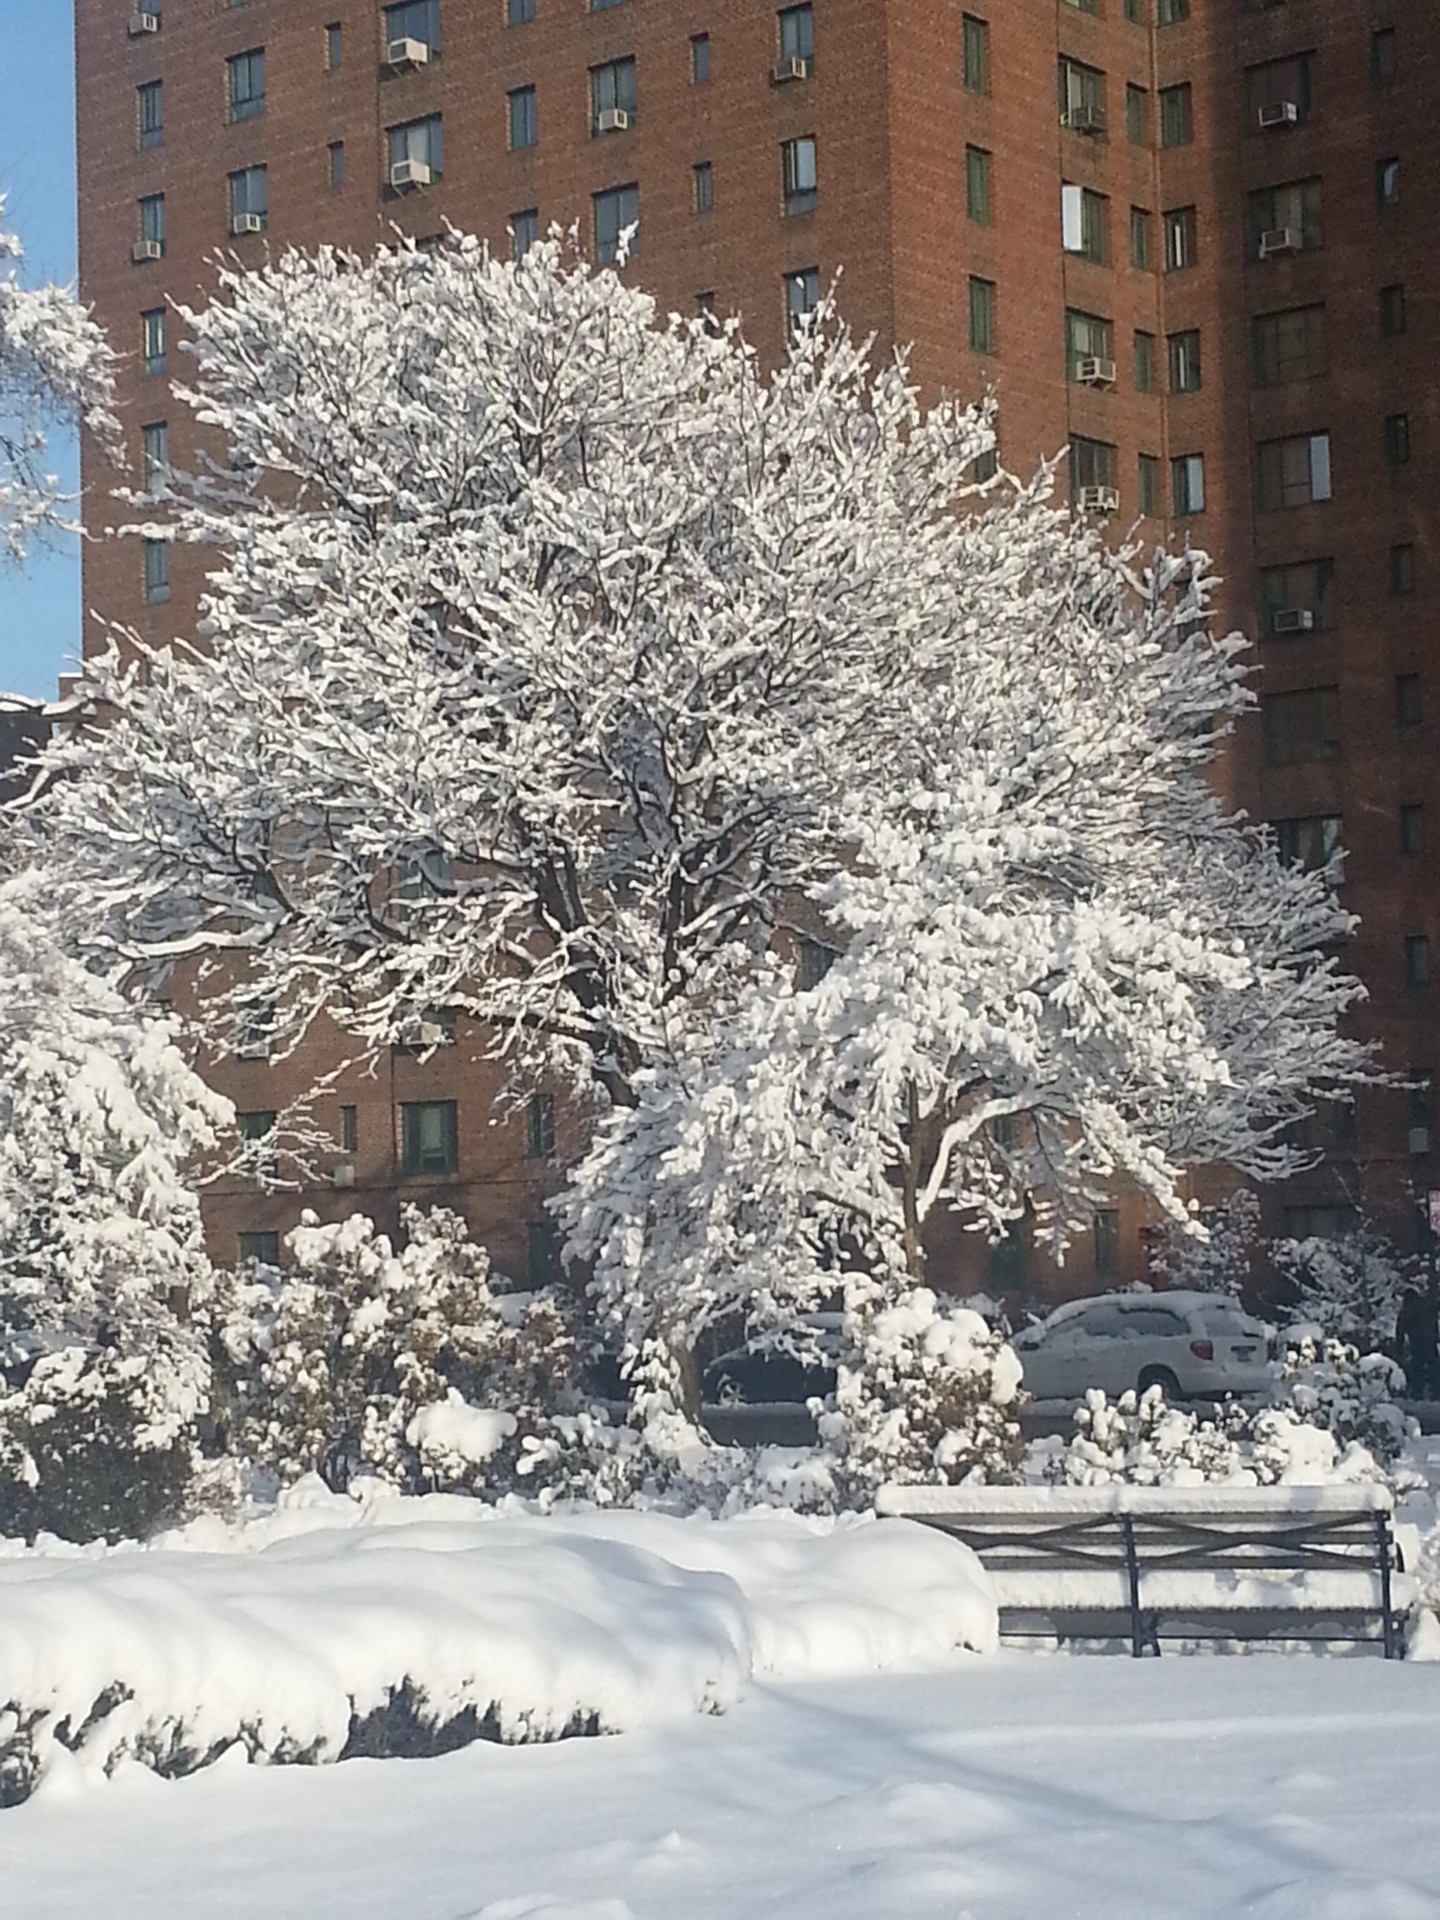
[
  {"x": 1221, "y": 1258},
  {"x": 1350, "y": 1288}
]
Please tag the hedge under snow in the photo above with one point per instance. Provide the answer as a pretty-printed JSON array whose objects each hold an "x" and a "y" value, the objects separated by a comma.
[{"x": 336, "y": 1627}]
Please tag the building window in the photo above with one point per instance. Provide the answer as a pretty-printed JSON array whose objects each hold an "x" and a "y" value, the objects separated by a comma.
[
  {"x": 335, "y": 164},
  {"x": 612, "y": 97},
  {"x": 255, "y": 1030},
  {"x": 1107, "y": 1237},
  {"x": 705, "y": 304},
  {"x": 1387, "y": 182},
  {"x": 1183, "y": 351},
  {"x": 703, "y": 184},
  {"x": 540, "y": 1128},
  {"x": 1412, "y": 830},
  {"x": 1288, "y": 346},
  {"x": 255, "y": 1127},
  {"x": 1392, "y": 311},
  {"x": 1187, "y": 483},
  {"x": 1144, "y": 358},
  {"x": 1286, "y": 219},
  {"x": 156, "y": 555},
  {"x": 600, "y": 6},
  {"x": 519, "y": 13},
  {"x": 1382, "y": 57},
  {"x": 152, "y": 220},
  {"x": 976, "y": 53},
  {"x": 1085, "y": 223},
  {"x": 1182, "y": 239},
  {"x": 1407, "y": 700},
  {"x": 524, "y": 231},
  {"x": 1087, "y": 337},
  {"x": 1093, "y": 463},
  {"x": 1169, "y": 13},
  {"x": 429, "y": 1137},
  {"x": 349, "y": 1129},
  {"x": 153, "y": 331},
  {"x": 1140, "y": 251},
  {"x": 334, "y": 45},
  {"x": 1417, "y": 960},
  {"x": 1319, "y": 1223},
  {"x": 802, "y": 297},
  {"x": 1292, "y": 472},
  {"x": 245, "y": 83},
  {"x": 1135, "y": 10},
  {"x": 414, "y": 20},
  {"x": 249, "y": 200},
  {"x": 977, "y": 185},
  {"x": 154, "y": 454},
  {"x": 1084, "y": 6},
  {"x": 542, "y": 1254},
  {"x": 1401, "y": 568},
  {"x": 523, "y": 121},
  {"x": 1312, "y": 842},
  {"x": 699, "y": 58},
  {"x": 797, "y": 36},
  {"x": 150, "y": 105},
  {"x": 617, "y": 220},
  {"x": 813, "y": 961},
  {"x": 799, "y": 177},
  {"x": 1137, "y": 114},
  {"x": 1277, "y": 93},
  {"x": 260, "y": 1249},
  {"x": 982, "y": 315},
  {"x": 1297, "y": 597},
  {"x": 1082, "y": 97},
  {"x": 985, "y": 466},
  {"x": 1301, "y": 727},
  {"x": 1397, "y": 439},
  {"x": 1148, "y": 482},
  {"x": 418, "y": 146},
  {"x": 1177, "y": 124}
]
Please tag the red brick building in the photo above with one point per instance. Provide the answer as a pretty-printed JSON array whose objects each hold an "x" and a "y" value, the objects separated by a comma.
[{"x": 1190, "y": 239}]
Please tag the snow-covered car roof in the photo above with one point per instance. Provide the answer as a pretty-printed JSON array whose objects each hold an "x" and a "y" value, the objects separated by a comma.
[{"x": 1183, "y": 1300}]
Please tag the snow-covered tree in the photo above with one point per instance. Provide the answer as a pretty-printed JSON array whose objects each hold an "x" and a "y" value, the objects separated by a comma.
[
  {"x": 1350, "y": 1288},
  {"x": 54, "y": 366},
  {"x": 556, "y": 656},
  {"x": 103, "y": 1375},
  {"x": 1220, "y": 1259}
]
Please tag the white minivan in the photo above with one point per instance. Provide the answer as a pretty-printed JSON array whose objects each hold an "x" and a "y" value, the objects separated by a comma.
[{"x": 1194, "y": 1346}]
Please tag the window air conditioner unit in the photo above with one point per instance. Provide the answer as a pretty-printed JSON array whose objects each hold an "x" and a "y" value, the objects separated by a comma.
[
  {"x": 1419, "y": 1139},
  {"x": 247, "y": 223},
  {"x": 432, "y": 1033},
  {"x": 143, "y": 22},
  {"x": 1095, "y": 371},
  {"x": 1098, "y": 500},
  {"x": 1084, "y": 119},
  {"x": 1292, "y": 620},
  {"x": 793, "y": 68},
  {"x": 1279, "y": 240},
  {"x": 612, "y": 120},
  {"x": 1280, "y": 113},
  {"x": 342, "y": 1174},
  {"x": 407, "y": 53},
  {"x": 410, "y": 173},
  {"x": 146, "y": 250}
]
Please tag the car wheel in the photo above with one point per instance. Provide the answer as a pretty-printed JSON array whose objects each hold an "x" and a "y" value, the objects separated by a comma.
[
  {"x": 728, "y": 1394},
  {"x": 1160, "y": 1377}
]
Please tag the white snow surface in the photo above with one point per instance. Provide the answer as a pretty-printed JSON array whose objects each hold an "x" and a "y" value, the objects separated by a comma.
[{"x": 274, "y": 1632}]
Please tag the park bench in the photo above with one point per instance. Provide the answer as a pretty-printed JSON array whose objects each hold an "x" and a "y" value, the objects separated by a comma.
[{"x": 1147, "y": 1564}]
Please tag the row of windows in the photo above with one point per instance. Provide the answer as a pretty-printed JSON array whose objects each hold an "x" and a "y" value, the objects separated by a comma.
[
  {"x": 261, "y": 1247},
  {"x": 1303, "y": 727},
  {"x": 429, "y": 1134}
]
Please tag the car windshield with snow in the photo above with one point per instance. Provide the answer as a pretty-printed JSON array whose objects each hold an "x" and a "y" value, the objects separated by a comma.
[{"x": 1191, "y": 1345}]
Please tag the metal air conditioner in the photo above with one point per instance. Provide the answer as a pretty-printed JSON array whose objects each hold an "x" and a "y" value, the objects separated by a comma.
[
  {"x": 1419, "y": 1139},
  {"x": 1280, "y": 113},
  {"x": 143, "y": 22},
  {"x": 342, "y": 1174},
  {"x": 1292, "y": 620},
  {"x": 1097, "y": 500},
  {"x": 1084, "y": 119},
  {"x": 1095, "y": 371},
  {"x": 146, "y": 250},
  {"x": 411, "y": 173},
  {"x": 407, "y": 53},
  {"x": 247, "y": 223},
  {"x": 1279, "y": 240},
  {"x": 793, "y": 68},
  {"x": 612, "y": 120}
]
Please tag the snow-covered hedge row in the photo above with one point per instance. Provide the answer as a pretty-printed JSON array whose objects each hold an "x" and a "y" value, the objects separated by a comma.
[{"x": 337, "y": 1627}]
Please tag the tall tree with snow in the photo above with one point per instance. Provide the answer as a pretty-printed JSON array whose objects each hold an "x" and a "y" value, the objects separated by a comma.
[{"x": 556, "y": 656}]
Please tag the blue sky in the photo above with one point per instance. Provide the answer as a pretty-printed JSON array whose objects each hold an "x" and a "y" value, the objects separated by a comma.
[{"x": 40, "y": 608}]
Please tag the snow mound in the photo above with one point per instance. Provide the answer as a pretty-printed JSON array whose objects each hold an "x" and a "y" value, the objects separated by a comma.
[{"x": 334, "y": 1627}]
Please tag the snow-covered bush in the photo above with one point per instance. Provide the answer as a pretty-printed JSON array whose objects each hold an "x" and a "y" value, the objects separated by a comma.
[
  {"x": 1332, "y": 1385},
  {"x": 925, "y": 1393},
  {"x": 1142, "y": 1440},
  {"x": 103, "y": 1375},
  {"x": 1349, "y": 1288},
  {"x": 362, "y": 1361},
  {"x": 1221, "y": 1261}
]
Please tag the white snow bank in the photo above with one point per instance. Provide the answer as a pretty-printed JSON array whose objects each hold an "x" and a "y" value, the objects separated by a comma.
[{"x": 335, "y": 1626}]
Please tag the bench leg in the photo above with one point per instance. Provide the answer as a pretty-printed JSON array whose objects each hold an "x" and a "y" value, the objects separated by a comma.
[
  {"x": 1143, "y": 1636},
  {"x": 1383, "y": 1550}
]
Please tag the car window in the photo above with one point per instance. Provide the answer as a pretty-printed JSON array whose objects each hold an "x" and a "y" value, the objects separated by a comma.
[{"x": 1154, "y": 1322}]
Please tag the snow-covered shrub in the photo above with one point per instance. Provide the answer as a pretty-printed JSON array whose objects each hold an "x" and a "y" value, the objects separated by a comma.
[
  {"x": 405, "y": 1366},
  {"x": 1142, "y": 1440},
  {"x": 1349, "y": 1288},
  {"x": 1220, "y": 1262},
  {"x": 103, "y": 1375},
  {"x": 1331, "y": 1385},
  {"x": 925, "y": 1393}
]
